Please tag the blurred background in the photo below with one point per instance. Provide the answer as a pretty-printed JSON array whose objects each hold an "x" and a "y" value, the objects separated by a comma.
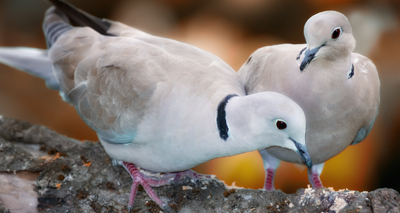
[{"x": 232, "y": 30}]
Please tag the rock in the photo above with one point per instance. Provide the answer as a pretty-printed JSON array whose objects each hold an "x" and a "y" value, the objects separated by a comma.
[{"x": 78, "y": 176}]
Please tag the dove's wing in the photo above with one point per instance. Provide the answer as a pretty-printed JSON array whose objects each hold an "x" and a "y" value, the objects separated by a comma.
[{"x": 366, "y": 83}]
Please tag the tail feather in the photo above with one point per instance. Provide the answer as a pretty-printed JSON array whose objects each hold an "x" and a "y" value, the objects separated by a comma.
[
  {"x": 81, "y": 18},
  {"x": 58, "y": 20},
  {"x": 55, "y": 23},
  {"x": 31, "y": 60}
]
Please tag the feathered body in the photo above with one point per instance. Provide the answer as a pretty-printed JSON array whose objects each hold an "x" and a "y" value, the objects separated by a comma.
[
  {"x": 337, "y": 89},
  {"x": 337, "y": 107}
]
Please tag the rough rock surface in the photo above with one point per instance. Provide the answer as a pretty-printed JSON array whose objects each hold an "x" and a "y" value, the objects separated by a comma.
[{"x": 78, "y": 176}]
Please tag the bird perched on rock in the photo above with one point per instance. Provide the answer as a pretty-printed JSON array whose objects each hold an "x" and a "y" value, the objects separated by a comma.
[
  {"x": 337, "y": 89},
  {"x": 155, "y": 103}
]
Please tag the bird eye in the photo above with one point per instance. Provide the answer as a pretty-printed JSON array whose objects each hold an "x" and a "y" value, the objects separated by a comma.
[
  {"x": 336, "y": 33},
  {"x": 281, "y": 125}
]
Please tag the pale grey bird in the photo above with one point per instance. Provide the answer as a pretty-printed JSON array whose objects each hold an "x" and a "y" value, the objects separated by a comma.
[
  {"x": 337, "y": 89},
  {"x": 156, "y": 103}
]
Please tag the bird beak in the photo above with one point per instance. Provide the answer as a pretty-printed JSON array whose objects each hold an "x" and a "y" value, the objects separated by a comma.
[
  {"x": 302, "y": 151},
  {"x": 309, "y": 55}
]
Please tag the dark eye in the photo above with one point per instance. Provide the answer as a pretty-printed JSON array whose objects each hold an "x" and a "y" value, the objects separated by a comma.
[
  {"x": 336, "y": 33},
  {"x": 281, "y": 125}
]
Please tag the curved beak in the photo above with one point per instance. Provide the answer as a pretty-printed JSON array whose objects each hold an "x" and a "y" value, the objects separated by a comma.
[
  {"x": 302, "y": 151},
  {"x": 309, "y": 55}
]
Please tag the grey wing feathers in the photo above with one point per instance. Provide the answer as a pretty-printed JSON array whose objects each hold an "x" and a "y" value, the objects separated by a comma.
[
  {"x": 364, "y": 131},
  {"x": 251, "y": 72},
  {"x": 362, "y": 134},
  {"x": 107, "y": 79},
  {"x": 365, "y": 68},
  {"x": 88, "y": 67},
  {"x": 112, "y": 100}
]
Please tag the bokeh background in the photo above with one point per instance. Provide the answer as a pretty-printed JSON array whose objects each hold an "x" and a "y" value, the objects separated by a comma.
[{"x": 232, "y": 30}]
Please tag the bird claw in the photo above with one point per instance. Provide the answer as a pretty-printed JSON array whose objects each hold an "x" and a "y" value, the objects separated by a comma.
[
  {"x": 148, "y": 181},
  {"x": 139, "y": 178}
]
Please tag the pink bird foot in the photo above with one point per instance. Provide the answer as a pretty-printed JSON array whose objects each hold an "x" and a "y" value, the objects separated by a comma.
[{"x": 147, "y": 183}]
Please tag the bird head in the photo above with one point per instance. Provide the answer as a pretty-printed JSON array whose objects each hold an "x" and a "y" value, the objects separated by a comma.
[
  {"x": 328, "y": 35},
  {"x": 268, "y": 119}
]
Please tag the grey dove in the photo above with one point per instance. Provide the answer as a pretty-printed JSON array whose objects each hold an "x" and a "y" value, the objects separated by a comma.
[
  {"x": 337, "y": 89},
  {"x": 157, "y": 105}
]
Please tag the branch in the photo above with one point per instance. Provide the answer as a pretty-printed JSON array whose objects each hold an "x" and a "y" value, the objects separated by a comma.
[{"x": 78, "y": 176}]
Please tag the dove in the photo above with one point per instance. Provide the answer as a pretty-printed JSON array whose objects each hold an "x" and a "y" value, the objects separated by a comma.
[
  {"x": 156, "y": 104},
  {"x": 337, "y": 89}
]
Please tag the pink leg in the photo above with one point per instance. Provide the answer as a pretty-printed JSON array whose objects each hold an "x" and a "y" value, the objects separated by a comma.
[
  {"x": 138, "y": 178},
  {"x": 313, "y": 175},
  {"x": 270, "y": 165},
  {"x": 315, "y": 181},
  {"x": 269, "y": 179}
]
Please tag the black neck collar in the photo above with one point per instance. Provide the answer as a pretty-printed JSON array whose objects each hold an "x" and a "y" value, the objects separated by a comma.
[
  {"x": 351, "y": 72},
  {"x": 221, "y": 117}
]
